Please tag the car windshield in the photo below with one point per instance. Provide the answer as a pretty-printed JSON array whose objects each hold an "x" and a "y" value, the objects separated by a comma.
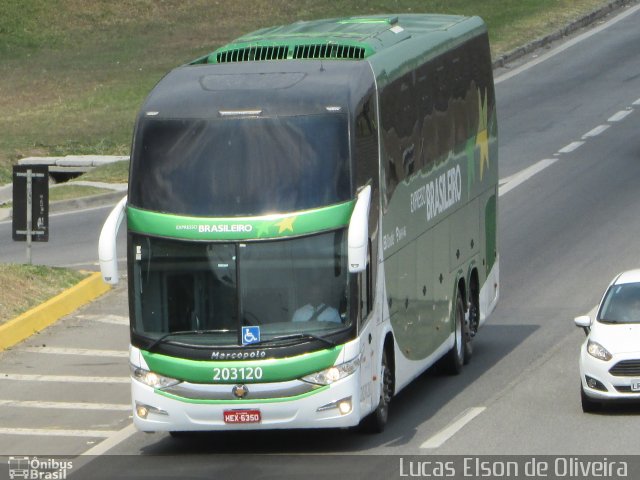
[
  {"x": 621, "y": 304},
  {"x": 203, "y": 293}
]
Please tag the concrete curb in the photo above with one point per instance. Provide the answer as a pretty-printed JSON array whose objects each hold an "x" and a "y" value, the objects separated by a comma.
[
  {"x": 49, "y": 312},
  {"x": 75, "y": 203},
  {"x": 582, "y": 22},
  {"x": 87, "y": 202}
]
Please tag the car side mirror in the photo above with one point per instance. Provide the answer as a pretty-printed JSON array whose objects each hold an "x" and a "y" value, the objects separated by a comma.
[{"x": 583, "y": 322}]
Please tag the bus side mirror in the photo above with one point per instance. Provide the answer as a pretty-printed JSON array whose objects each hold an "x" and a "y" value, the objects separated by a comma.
[
  {"x": 583, "y": 322},
  {"x": 107, "y": 254},
  {"x": 358, "y": 239}
]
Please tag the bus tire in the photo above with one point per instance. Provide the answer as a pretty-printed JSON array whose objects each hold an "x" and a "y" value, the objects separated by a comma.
[
  {"x": 468, "y": 333},
  {"x": 376, "y": 421},
  {"x": 454, "y": 359}
]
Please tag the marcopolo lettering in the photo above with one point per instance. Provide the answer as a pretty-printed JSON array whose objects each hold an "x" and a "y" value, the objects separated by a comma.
[
  {"x": 238, "y": 355},
  {"x": 224, "y": 228}
]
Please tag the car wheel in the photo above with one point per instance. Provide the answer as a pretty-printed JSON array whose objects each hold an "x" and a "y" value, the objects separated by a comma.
[{"x": 588, "y": 404}]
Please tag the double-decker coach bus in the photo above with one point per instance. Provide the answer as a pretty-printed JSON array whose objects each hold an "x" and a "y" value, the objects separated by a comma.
[{"x": 311, "y": 223}]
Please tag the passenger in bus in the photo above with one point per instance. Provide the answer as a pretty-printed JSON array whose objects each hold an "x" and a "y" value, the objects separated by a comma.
[{"x": 316, "y": 309}]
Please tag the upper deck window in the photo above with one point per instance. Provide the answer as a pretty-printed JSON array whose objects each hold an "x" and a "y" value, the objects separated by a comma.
[{"x": 240, "y": 166}]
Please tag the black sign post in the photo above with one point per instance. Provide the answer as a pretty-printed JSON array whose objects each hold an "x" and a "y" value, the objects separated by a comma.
[{"x": 30, "y": 204}]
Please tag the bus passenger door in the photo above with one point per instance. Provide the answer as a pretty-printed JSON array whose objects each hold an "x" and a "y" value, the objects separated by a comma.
[{"x": 367, "y": 336}]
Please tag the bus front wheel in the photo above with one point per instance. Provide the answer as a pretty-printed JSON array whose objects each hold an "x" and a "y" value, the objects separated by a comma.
[{"x": 376, "y": 421}]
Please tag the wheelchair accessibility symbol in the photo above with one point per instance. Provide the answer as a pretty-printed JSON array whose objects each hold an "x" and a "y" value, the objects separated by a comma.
[{"x": 250, "y": 335}]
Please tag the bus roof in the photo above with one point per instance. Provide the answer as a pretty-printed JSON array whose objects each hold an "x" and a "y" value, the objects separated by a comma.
[
  {"x": 270, "y": 88},
  {"x": 350, "y": 38},
  {"x": 322, "y": 63}
]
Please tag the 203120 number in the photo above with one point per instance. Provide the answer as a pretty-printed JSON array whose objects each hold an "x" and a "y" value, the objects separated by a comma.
[{"x": 232, "y": 374}]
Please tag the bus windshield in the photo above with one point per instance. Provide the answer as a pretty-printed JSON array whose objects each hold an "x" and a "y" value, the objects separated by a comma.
[
  {"x": 286, "y": 287},
  {"x": 233, "y": 166}
]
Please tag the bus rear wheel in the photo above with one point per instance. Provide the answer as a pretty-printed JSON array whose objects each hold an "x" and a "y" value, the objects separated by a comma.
[
  {"x": 455, "y": 358},
  {"x": 376, "y": 421}
]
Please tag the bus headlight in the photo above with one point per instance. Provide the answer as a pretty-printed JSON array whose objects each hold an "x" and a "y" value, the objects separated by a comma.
[
  {"x": 152, "y": 379},
  {"x": 333, "y": 374}
]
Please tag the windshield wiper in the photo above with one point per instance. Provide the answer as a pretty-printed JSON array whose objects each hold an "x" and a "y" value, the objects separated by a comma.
[
  {"x": 294, "y": 336},
  {"x": 164, "y": 337}
]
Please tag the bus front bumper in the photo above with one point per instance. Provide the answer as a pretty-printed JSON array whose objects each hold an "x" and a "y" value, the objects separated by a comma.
[{"x": 333, "y": 406}]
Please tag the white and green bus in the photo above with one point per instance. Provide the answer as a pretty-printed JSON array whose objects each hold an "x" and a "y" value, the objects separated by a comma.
[{"x": 311, "y": 223}]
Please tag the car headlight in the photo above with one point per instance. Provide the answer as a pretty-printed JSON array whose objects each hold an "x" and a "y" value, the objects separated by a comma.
[
  {"x": 598, "y": 351},
  {"x": 152, "y": 379},
  {"x": 333, "y": 374}
]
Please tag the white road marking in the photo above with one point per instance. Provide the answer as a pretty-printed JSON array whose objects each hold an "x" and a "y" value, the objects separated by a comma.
[
  {"x": 112, "y": 319},
  {"x": 65, "y": 405},
  {"x": 61, "y": 378},
  {"x": 621, "y": 115},
  {"x": 571, "y": 147},
  {"x": 56, "y": 432},
  {"x": 637, "y": 102},
  {"x": 113, "y": 440},
  {"x": 596, "y": 131},
  {"x": 524, "y": 175},
  {"x": 75, "y": 351},
  {"x": 445, "y": 434}
]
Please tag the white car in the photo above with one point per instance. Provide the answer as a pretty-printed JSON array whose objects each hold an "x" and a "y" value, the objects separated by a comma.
[{"x": 610, "y": 356}]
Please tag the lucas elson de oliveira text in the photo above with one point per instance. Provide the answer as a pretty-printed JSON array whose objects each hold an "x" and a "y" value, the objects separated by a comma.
[{"x": 474, "y": 467}]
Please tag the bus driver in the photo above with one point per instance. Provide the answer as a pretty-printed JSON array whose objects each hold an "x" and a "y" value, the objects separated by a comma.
[{"x": 316, "y": 309}]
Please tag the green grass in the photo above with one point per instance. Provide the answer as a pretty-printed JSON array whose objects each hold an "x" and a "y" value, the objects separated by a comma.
[
  {"x": 73, "y": 73},
  {"x": 26, "y": 286},
  {"x": 116, "y": 172},
  {"x": 67, "y": 191}
]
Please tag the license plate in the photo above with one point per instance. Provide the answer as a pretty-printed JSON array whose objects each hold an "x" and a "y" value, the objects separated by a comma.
[
  {"x": 635, "y": 385},
  {"x": 242, "y": 416}
]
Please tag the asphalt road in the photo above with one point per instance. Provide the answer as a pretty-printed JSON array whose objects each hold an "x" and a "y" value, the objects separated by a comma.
[
  {"x": 568, "y": 219},
  {"x": 73, "y": 240}
]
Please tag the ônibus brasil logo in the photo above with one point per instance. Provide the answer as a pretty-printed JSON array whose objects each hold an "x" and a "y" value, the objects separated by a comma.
[{"x": 39, "y": 468}]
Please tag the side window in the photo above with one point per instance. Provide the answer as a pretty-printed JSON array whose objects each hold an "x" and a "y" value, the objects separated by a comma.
[
  {"x": 399, "y": 118},
  {"x": 366, "y": 143}
]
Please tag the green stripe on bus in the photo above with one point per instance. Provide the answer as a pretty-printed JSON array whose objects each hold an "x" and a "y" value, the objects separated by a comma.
[
  {"x": 243, "y": 371},
  {"x": 231, "y": 403},
  {"x": 240, "y": 228}
]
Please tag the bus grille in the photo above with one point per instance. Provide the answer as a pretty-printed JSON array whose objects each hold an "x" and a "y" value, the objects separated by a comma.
[
  {"x": 626, "y": 368},
  {"x": 253, "y": 54},
  {"x": 256, "y": 53},
  {"x": 328, "y": 51}
]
